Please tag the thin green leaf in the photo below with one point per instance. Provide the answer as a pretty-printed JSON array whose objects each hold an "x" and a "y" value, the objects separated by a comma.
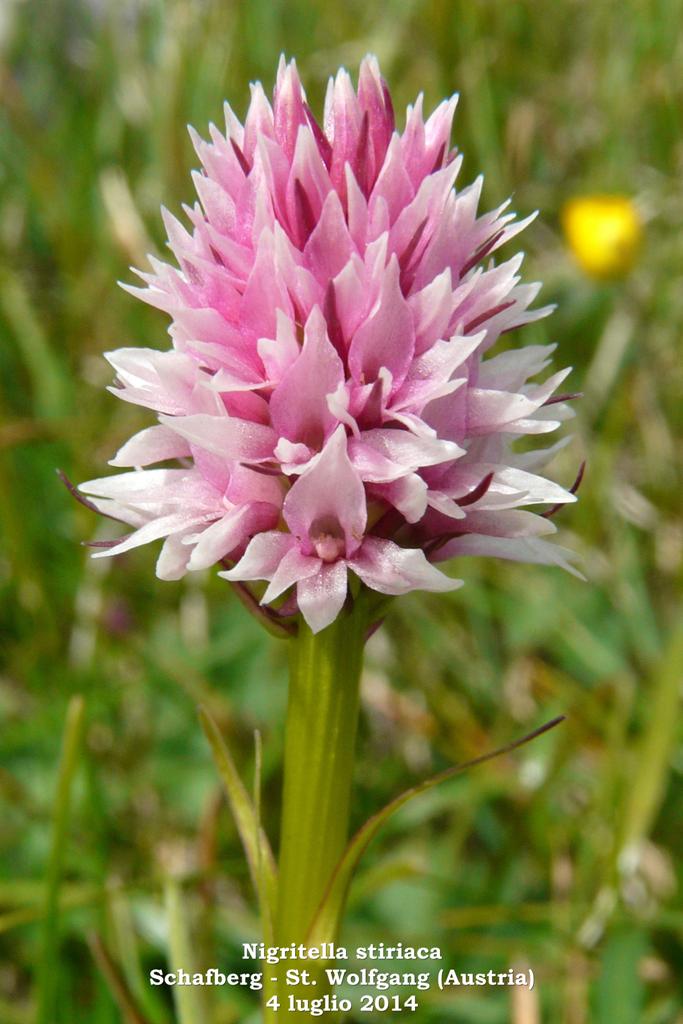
[
  {"x": 190, "y": 1000},
  {"x": 254, "y": 840},
  {"x": 83, "y": 897},
  {"x": 326, "y": 921},
  {"x": 28, "y": 892},
  {"x": 48, "y": 967},
  {"x": 258, "y": 768},
  {"x": 49, "y": 379},
  {"x": 116, "y": 983},
  {"x": 128, "y": 954},
  {"x": 649, "y": 783},
  {"x": 261, "y": 863},
  {"x": 619, "y": 989}
]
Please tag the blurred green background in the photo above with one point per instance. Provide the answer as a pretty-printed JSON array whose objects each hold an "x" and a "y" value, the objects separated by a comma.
[{"x": 567, "y": 855}]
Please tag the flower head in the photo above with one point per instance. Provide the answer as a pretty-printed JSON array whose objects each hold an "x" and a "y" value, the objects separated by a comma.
[{"x": 329, "y": 392}]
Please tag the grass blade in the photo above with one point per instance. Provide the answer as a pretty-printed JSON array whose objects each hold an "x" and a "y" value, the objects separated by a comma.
[
  {"x": 254, "y": 840},
  {"x": 116, "y": 983},
  {"x": 326, "y": 922},
  {"x": 649, "y": 783},
  {"x": 126, "y": 949},
  {"x": 189, "y": 1000},
  {"x": 49, "y": 380},
  {"x": 48, "y": 967}
]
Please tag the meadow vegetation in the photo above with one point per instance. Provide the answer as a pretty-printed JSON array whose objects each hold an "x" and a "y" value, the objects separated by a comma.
[{"x": 567, "y": 855}]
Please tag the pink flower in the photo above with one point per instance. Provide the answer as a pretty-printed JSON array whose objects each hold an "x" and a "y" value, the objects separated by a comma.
[
  {"x": 326, "y": 515},
  {"x": 329, "y": 393}
]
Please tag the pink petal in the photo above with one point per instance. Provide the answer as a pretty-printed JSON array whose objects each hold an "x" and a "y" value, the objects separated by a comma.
[
  {"x": 278, "y": 353},
  {"x": 509, "y": 484},
  {"x": 417, "y": 223},
  {"x": 218, "y": 204},
  {"x": 357, "y": 206},
  {"x": 173, "y": 558},
  {"x": 226, "y": 436},
  {"x": 387, "y": 337},
  {"x": 438, "y": 127},
  {"x": 153, "y": 530},
  {"x": 508, "y": 523},
  {"x": 408, "y": 495},
  {"x": 160, "y": 380},
  {"x": 386, "y": 454},
  {"x": 307, "y": 187},
  {"x": 129, "y": 486},
  {"x": 219, "y": 160},
  {"x": 332, "y": 490},
  {"x": 294, "y": 567},
  {"x": 262, "y": 557},
  {"x": 219, "y": 539},
  {"x": 393, "y": 184},
  {"x": 207, "y": 325},
  {"x": 298, "y": 405},
  {"x": 321, "y": 597},
  {"x": 264, "y": 293},
  {"x": 384, "y": 566},
  {"x": 329, "y": 247},
  {"x": 342, "y": 125},
  {"x": 259, "y": 120},
  {"x": 489, "y": 410},
  {"x": 153, "y": 444},
  {"x": 413, "y": 141},
  {"x": 444, "y": 504},
  {"x": 289, "y": 111},
  {"x": 293, "y": 457},
  {"x": 509, "y": 370},
  {"x": 373, "y": 97},
  {"x": 247, "y": 484},
  {"x": 533, "y": 550},
  {"x": 350, "y": 297},
  {"x": 431, "y": 310}
]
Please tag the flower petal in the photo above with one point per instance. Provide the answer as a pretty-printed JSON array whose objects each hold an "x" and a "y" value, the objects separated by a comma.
[
  {"x": 228, "y": 436},
  {"x": 387, "y": 338},
  {"x": 298, "y": 405},
  {"x": 386, "y": 454},
  {"x": 408, "y": 495},
  {"x": 173, "y": 558},
  {"x": 262, "y": 557},
  {"x": 156, "y": 528},
  {"x": 329, "y": 247},
  {"x": 384, "y": 566},
  {"x": 533, "y": 550},
  {"x": 153, "y": 444},
  {"x": 293, "y": 568},
  {"x": 330, "y": 489},
  {"x": 321, "y": 597},
  {"x": 230, "y": 532}
]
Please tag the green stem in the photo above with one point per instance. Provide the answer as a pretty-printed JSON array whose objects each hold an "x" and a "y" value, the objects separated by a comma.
[{"x": 322, "y": 717}]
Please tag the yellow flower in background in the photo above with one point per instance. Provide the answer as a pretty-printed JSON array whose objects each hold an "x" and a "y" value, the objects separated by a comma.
[{"x": 604, "y": 234}]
